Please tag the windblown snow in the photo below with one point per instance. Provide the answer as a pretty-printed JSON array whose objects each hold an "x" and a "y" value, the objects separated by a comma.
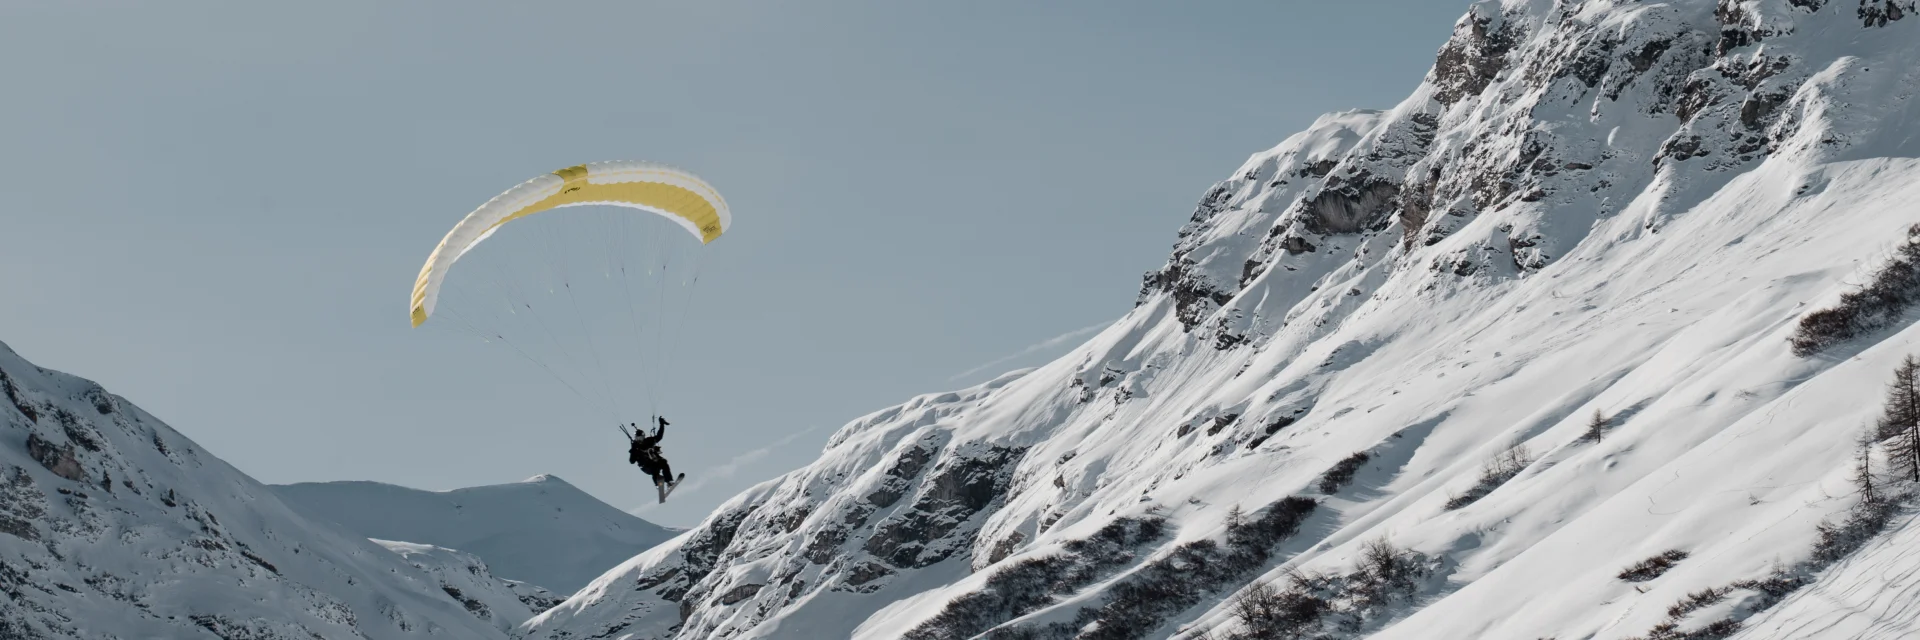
[
  {"x": 542, "y": 531},
  {"x": 1364, "y": 379},
  {"x": 113, "y": 525}
]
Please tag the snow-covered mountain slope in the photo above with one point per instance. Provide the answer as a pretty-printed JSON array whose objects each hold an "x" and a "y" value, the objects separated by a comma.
[
  {"x": 1366, "y": 374},
  {"x": 113, "y": 525},
  {"x": 464, "y": 577},
  {"x": 542, "y": 531}
]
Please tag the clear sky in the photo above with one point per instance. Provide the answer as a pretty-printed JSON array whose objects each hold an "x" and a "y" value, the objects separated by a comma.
[{"x": 217, "y": 209}]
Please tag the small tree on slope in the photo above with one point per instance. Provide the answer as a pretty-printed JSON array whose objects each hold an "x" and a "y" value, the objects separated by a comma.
[
  {"x": 1596, "y": 427},
  {"x": 1901, "y": 417},
  {"x": 1863, "y": 479}
]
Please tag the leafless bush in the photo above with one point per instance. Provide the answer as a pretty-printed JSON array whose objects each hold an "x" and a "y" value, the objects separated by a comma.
[
  {"x": 1342, "y": 472},
  {"x": 1386, "y": 572},
  {"x": 1270, "y": 613},
  {"x": 1653, "y": 567},
  {"x": 1497, "y": 471},
  {"x": 1696, "y": 601},
  {"x": 1881, "y": 302}
]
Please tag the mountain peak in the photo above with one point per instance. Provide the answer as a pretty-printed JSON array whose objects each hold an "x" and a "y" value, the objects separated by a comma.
[{"x": 548, "y": 479}]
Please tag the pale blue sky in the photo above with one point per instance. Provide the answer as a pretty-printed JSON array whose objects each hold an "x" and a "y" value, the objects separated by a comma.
[{"x": 217, "y": 209}]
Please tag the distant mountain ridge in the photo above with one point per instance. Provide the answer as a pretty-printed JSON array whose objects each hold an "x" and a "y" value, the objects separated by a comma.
[{"x": 541, "y": 531}]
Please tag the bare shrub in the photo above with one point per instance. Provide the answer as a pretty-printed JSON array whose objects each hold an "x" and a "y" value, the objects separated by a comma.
[
  {"x": 1867, "y": 518},
  {"x": 1033, "y": 583},
  {"x": 1653, "y": 567},
  {"x": 1342, "y": 472},
  {"x": 1696, "y": 601},
  {"x": 1271, "y": 613},
  {"x": 1341, "y": 605},
  {"x": 1145, "y": 599},
  {"x": 1386, "y": 572},
  {"x": 1881, "y": 302},
  {"x": 1503, "y": 467}
]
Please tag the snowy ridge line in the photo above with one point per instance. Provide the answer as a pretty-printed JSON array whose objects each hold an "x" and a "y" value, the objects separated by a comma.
[{"x": 113, "y": 525}]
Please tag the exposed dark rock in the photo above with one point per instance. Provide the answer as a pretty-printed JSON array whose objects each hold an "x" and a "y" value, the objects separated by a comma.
[
  {"x": 56, "y": 458},
  {"x": 1221, "y": 422},
  {"x": 960, "y": 487},
  {"x": 21, "y": 504},
  {"x": 657, "y": 578},
  {"x": 706, "y": 545},
  {"x": 866, "y": 572},
  {"x": 1592, "y": 64},
  {"x": 259, "y": 561},
  {"x": 1248, "y": 270},
  {"x": 1756, "y": 112},
  {"x": 791, "y": 519},
  {"x": 1416, "y": 205},
  {"x": 77, "y": 430},
  {"x": 825, "y": 545},
  {"x": 1275, "y": 424},
  {"x": 1470, "y": 60},
  {"x": 1696, "y": 96},
  {"x": 1350, "y": 205},
  {"x": 538, "y": 603},
  {"x": 739, "y": 593},
  {"x": 14, "y": 397},
  {"x": 905, "y": 468},
  {"x": 1648, "y": 54},
  {"x": 1877, "y": 13},
  {"x": 477, "y": 608},
  {"x": 1193, "y": 296},
  {"x": 701, "y": 554},
  {"x": 1524, "y": 254},
  {"x": 1318, "y": 169},
  {"x": 1223, "y": 339},
  {"x": 227, "y": 628},
  {"x": 1005, "y": 547},
  {"x": 102, "y": 401},
  {"x": 1681, "y": 148}
]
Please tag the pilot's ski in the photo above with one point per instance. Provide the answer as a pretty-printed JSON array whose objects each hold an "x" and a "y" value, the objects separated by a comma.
[{"x": 664, "y": 490}]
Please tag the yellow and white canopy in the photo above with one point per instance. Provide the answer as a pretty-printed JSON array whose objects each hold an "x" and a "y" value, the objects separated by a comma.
[{"x": 680, "y": 197}]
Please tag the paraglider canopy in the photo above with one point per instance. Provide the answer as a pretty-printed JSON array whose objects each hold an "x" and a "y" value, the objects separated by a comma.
[{"x": 680, "y": 197}]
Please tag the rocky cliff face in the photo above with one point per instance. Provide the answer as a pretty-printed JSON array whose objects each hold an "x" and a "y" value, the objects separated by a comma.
[
  {"x": 113, "y": 525},
  {"x": 1365, "y": 377}
]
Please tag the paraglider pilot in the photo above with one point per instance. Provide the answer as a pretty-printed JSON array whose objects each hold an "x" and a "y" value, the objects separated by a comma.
[{"x": 645, "y": 452}]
